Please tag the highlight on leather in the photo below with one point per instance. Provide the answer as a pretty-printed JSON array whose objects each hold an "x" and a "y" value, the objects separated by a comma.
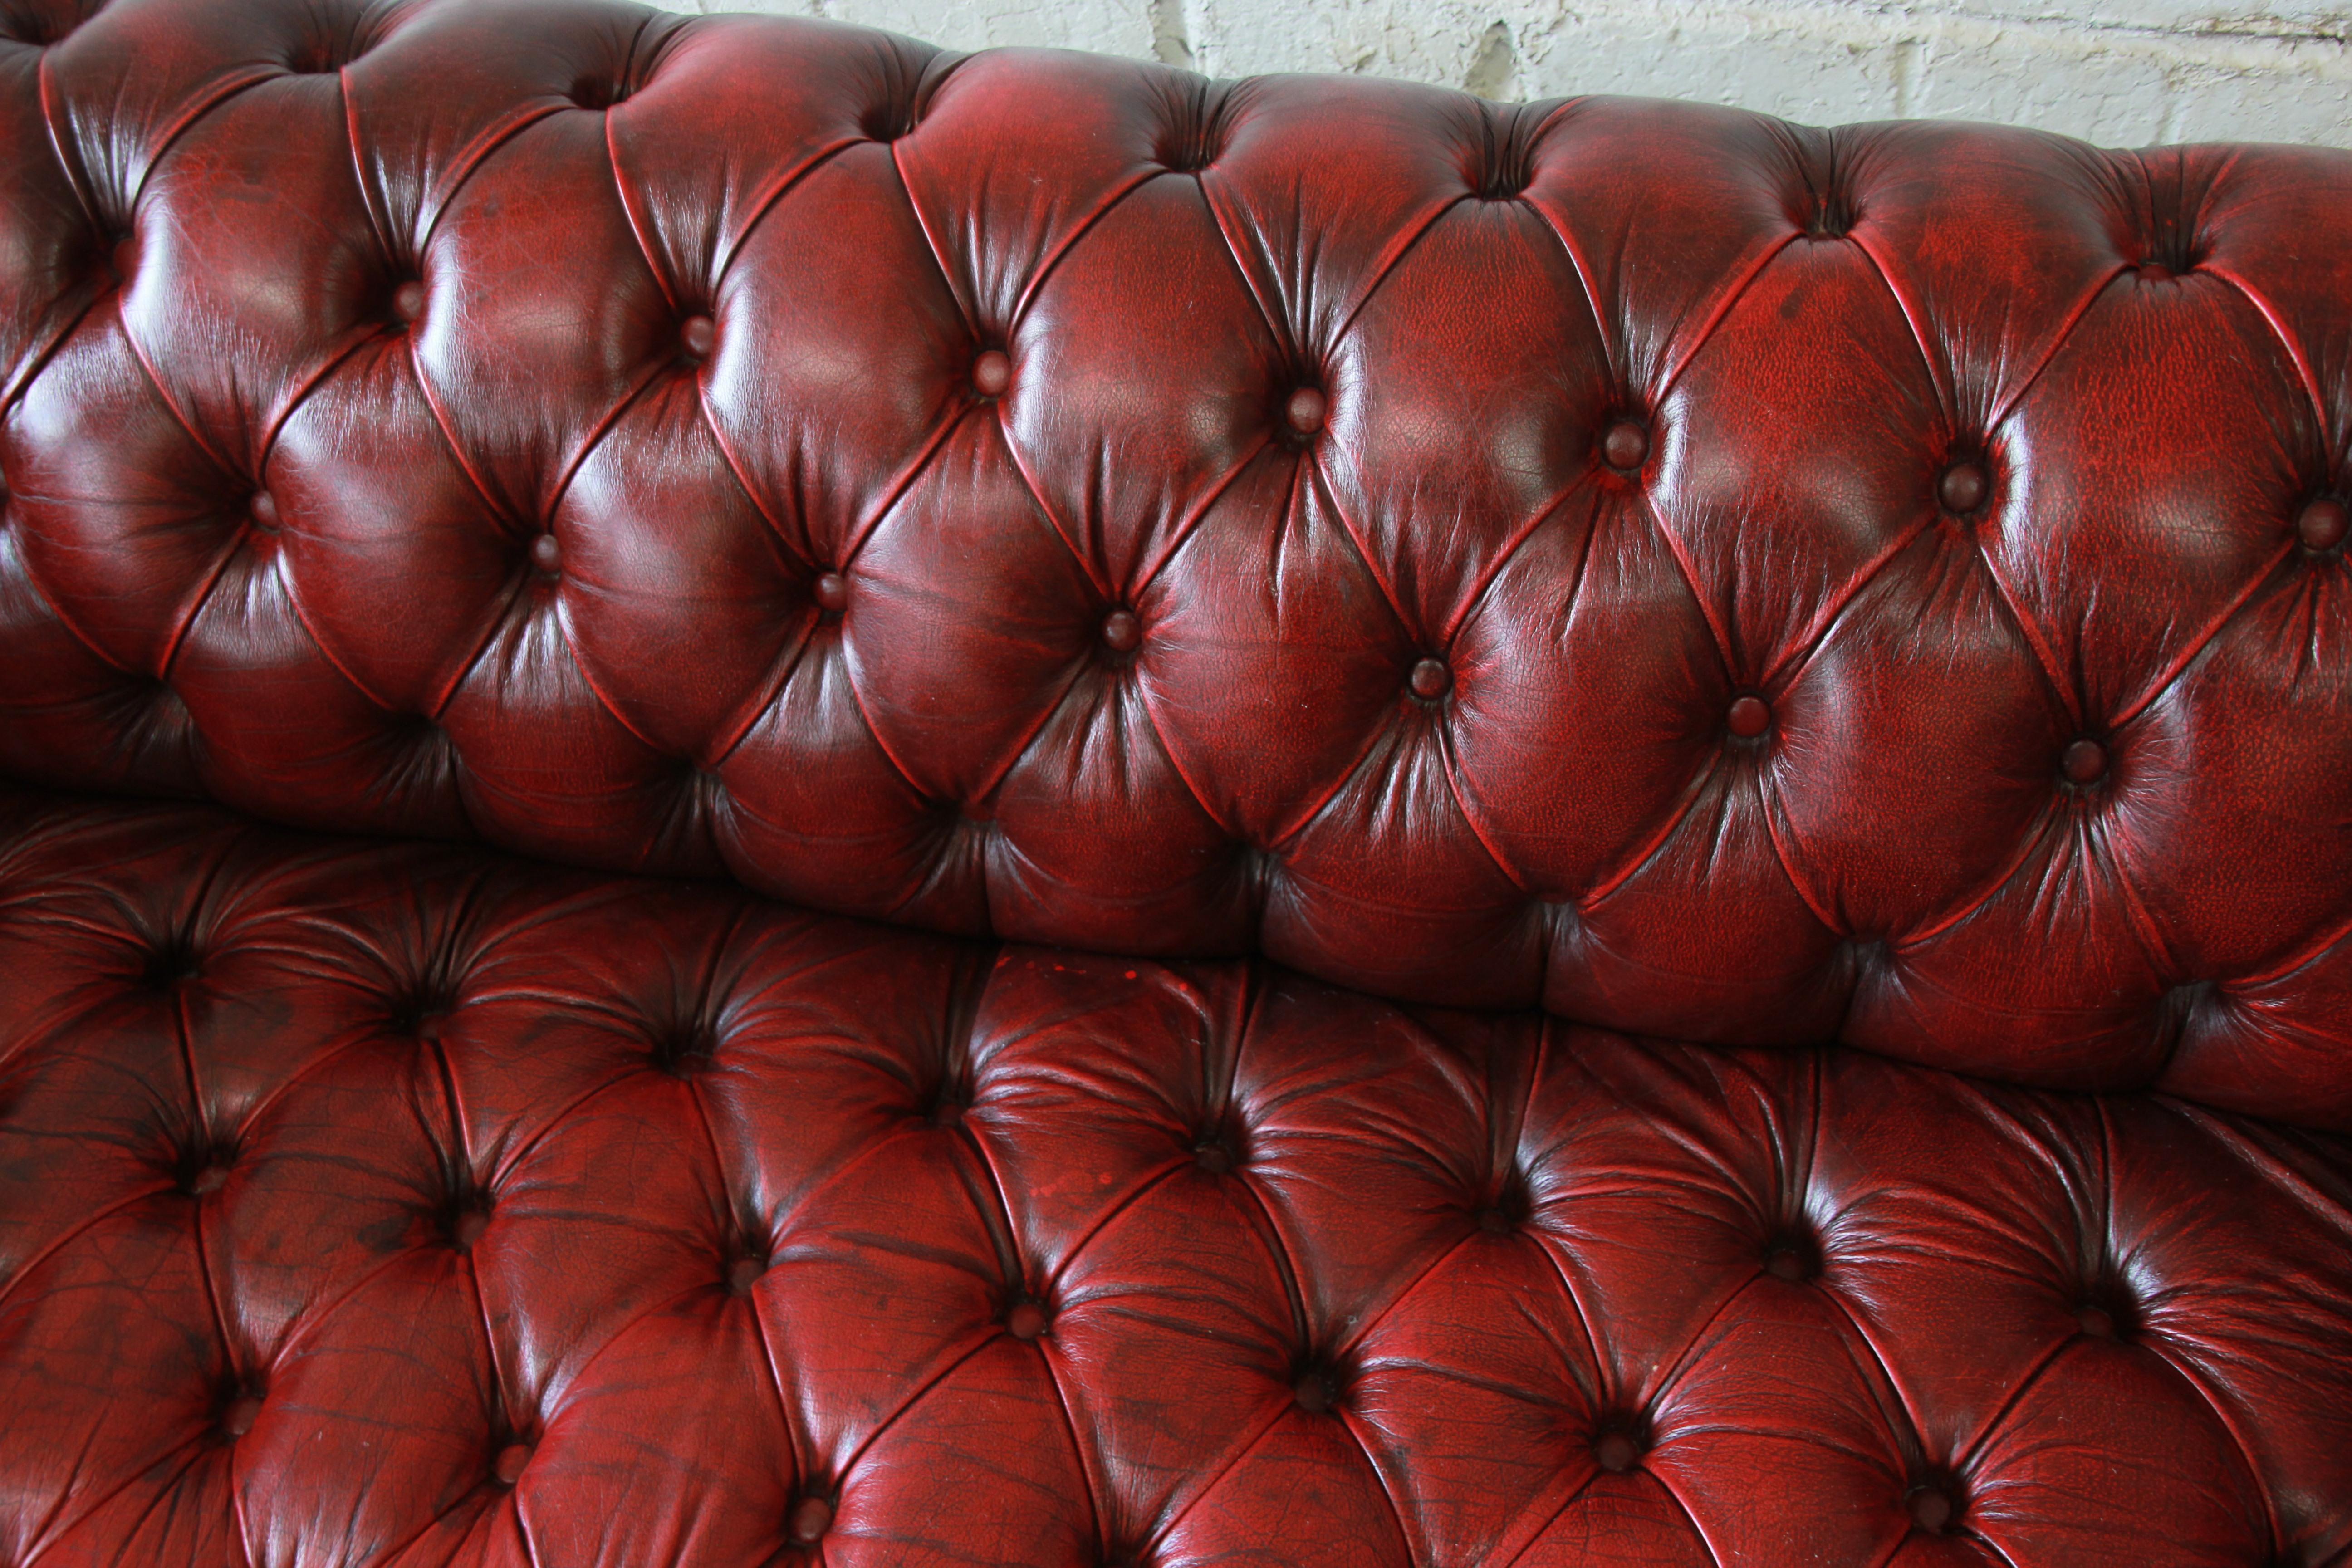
[
  {"x": 377, "y": 1204},
  {"x": 1704, "y": 575}
]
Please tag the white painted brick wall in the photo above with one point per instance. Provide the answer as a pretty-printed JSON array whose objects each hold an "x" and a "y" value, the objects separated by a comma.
[{"x": 2119, "y": 72}]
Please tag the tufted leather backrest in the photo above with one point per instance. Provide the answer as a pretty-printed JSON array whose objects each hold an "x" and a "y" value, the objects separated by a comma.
[{"x": 1711, "y": 576}]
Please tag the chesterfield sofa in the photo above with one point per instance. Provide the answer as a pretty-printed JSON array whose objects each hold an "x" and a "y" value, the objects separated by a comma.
[{"x": 774, "y": 799}]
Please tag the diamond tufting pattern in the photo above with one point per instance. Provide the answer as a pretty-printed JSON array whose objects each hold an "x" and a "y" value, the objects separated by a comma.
[
  {"x": 1798, "y": 680},
  {"x": 1703, "y": 575},
  {"x": 402, "y": 1204}
]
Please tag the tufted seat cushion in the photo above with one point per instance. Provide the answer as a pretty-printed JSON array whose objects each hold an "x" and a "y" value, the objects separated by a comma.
[
  {"x": 1703, "y": 575},
  {"x": 392, "y": 1205}
]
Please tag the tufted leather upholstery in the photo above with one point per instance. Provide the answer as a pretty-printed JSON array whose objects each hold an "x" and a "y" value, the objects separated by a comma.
[
  {"x": 1701, "y": 574},
  {"x": 404, "y": 1204},
  {"x": 1650, "y": 573}
]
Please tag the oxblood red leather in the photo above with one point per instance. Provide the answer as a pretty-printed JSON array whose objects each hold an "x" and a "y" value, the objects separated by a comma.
[
  {"x": 1660, "y": 571},
  {"x": 396, "y": 1204},
  {"x": 1950, "y": 448}
]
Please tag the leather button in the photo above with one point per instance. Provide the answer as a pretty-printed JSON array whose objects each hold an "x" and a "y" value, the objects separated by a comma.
[
  {"x": 1748, "y": 717},
  {"x": 1316, "y": 1392},
  {"x": 1214, "y": 1158},
  {"x": 209, "y": 1180},
  {"x": 1617, "y": 1452},
  {"x": 1306, "y": 409},
  {"x": 699, "y": 334},
  {"x": 408, "y": 300},
  {"x": 812, "y": 1517},
  {"x": 2097, "y": 1321},
  {"x": 509, "y": 1465},
  {"x": 2083, "y": 762},
  {"x": 1788, "y": 1263},
  {"x": 171, "y": 963},
  {"x": 1026, "y": 1321},
  {"x": 547, "y": 553},
  {"x": 1963, "y": 487},
  {"x": 1121, "y": 631},
  {"x": 240, "y": 1416},
  {"x": 832, "y": 591},
  {"x": 2324, "y": 524},
  {"x": 1626, "y": 446},
  {"x": 1931, "y": 1509},
  {"x": 684, "y": 1049},
  {"x": 991, "y": 372},
  {"x": 1430, "y": 678},
  {"x": 1493, "y": 1222},
  {"x": 124, "y": 259},
  {"x": 264, "y": 510},
  {"x": 744, "y": 1273},
  {"x": 467, "y": 1228}
]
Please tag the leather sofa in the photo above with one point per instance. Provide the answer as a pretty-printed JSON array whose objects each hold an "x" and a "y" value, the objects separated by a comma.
[{"x": 775, "y": 799}]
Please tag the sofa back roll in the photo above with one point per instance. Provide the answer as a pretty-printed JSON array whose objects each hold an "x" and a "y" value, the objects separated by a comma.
[{"x": 1701, "y": 574}]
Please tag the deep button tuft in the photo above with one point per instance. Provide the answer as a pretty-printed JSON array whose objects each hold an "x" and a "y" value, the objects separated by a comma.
[
  {"x": 1218, "y": 1151},
  {"x": 408, "y": 300},
  {"x": 831, "y": 591},
  {"x": 508, "y": 1467},
  {"x": 598, "y": 92},
  {"x": 1316, "y": 1391},
  {"x": 1617, "y": 1452},
  {"x": 698, "y": 335},
  {"x": 171, "y": 963},
  {"x": 1122, "y": 632},
  {"x": 812, "y": 1517},
  {"x": 1748, "y": 717},
  {"x": 418, "y": 1011},
  {"x": 991, "y": 372},
  {"x": 238, "y": 1416},
  {"x": 1831, "y": 215},
  {"x": 1431, "y": 679},
  {"x": 1932, "y": 1509},
  {"x": 1026, "y": 1321},
  {"x": 547, "y": 553},
  {"x": 744, "y": 1273},
  {"x": 887, "y": 122},
  {"x": 1626, "y": 447},
  {"x": 1495, "y": 1222},
  {"x": 1189, "y": 143},
  {"x": 2107, "y": 1310},
  {"x": 1305, "y": 410},
  {"x": 467, "y": 1226},
  {"x": 2323, "y": 525},
  {"x": 2083, "y": 762},
  {"x": 1505, "y": 166},
  {"x": 1792, "y": 1257},
  {"x": 1963, "y": 487},
  {"x": 318, "y": 56},
  {"x": 685, "y": 1051},
  {"x": 2169, "y": 246}
]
